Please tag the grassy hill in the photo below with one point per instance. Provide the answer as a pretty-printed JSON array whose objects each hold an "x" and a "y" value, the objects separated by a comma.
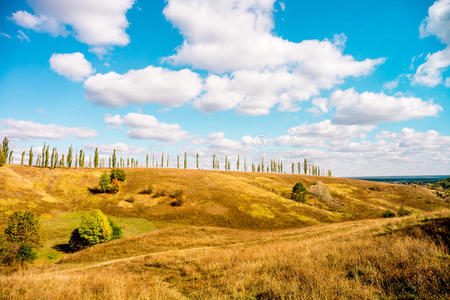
[
  {"x": 237, "y": 235},
  {"x": 214, "y": 198}
]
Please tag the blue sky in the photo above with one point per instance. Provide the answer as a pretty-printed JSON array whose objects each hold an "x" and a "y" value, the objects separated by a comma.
[{"x": 361, "y": 87}]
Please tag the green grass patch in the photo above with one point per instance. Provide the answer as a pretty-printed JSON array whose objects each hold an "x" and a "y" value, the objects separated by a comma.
[{"x": 56, "y": 231}]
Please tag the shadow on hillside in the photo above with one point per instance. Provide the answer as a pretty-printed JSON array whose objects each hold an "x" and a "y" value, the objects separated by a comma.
[
  {"x": 94, "y": 190},
  {"x": 63, "y": 248}
]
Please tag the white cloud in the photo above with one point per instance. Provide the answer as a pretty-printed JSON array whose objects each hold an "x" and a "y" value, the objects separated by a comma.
[
  {"x": 148, "y": 85},
  {"x": 321, "y": 134},
  {"x": 121, "y": 148},
  {"x": 373, "y": 108},
  {"x": 25, "y": 130},
  {"x": 22, "y": 36},
  {"x": 229, "y": 35},
  {"x": 320, "y": 106},
  {"x": 71, "y": 65},
  {"x": 5, "y": 35},
  {"x": 390, "y": 85},
  {"x": 236, "y": 36},
  {"x": 96, "y": 23},
  {"x": 142, "y": 126},
  {"x": 216, "y": 141},
  {"x": 437, "y": 23},
  {"x": 430, "y": 72}
]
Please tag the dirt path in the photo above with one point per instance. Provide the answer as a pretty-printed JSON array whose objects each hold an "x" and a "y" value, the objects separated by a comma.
[{"x": 318, "y": 232}]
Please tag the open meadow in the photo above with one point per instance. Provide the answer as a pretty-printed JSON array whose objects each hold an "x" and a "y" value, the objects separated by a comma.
[{"x": 237, "y": 235}]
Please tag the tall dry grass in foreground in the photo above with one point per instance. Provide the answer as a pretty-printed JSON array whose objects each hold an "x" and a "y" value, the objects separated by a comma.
[{"x": 369, "y": 262}]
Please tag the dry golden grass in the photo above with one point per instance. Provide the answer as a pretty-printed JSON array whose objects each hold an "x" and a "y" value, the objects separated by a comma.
[
  {"x": 237, "y": 236},
  {"x": 372, "y": 259},
  {"x": 212, "y": 198}
]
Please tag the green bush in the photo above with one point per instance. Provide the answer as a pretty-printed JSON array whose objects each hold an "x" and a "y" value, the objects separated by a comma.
[
  {"x": 116, "y": 230},
  {"x": 114, "y": 186},
  {"x": 118, "y": 174},
  {"x": 298, "y": 192},
  {"x": 105, "y": 180},
  {"x": 388, "y": 214},
  {"x": 403, "y": 212},
  {"x": 23, "y": 228},
  {"x": 22, "y": 237},
  {"x": 95, "y": 228}
]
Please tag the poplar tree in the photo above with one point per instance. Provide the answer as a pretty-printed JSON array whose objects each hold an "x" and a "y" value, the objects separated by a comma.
[
  {"x": 305, "y": 166},
  {"x": 62, "y": 161},
  {"x": 293, "y": 168},
  {"x": 23, "y": 156},
  {"x": 10, "y": 157},
  {"x": 46, "y": 157},
  {"x": 196, "y": 159},
  {"x": 96, "y": 158},
  {"x": 146, "y": 160},
  {"x": 298, "y": 167},
  {"x": 5, "y": 147},
  {"x": 30, "y": 157},
  {"x": 114, "y": 158},
  {"x": 178, "y": 161},
  {"x": 69, "y": 157},
  {"x": 167, "y": 160},
  {"x": 52, "y": 158},
  {"x": 109, "y": 162},
  {"x": 237, "y": 163},
  {"x": 162, "y": 159},
  {"x": 226, "y": 162},
  {"x": 185, "y": 160},
  {"x": 262, "y": 164}
]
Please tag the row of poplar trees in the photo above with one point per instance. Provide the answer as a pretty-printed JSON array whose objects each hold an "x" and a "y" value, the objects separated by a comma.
[{"x": 53, "y": 159}]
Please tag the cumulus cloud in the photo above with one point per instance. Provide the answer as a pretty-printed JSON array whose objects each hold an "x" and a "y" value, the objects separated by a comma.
[
  {"x": 352, "y": 107},
  {"x": 121, "y": 148},
  {"x": 148, "y": 85},
  {"x": 265, "y": 70},
  {"x": 321, "y": 134},
  {"x": 26, "y": 130},
  {"x": 96, "y": 23},
  {"x": 437, "y": 23},
  {"x": 216, "y": 141},
  {"x": 71, "y": 65},
  {"x": 142, "y": 126}
]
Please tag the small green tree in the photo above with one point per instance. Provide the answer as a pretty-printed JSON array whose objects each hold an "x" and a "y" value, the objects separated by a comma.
[
  {"x": 114, "y": 159},
  {"x": 94, "y": 229},
  {"x": 5, "y": 147},
  {"x": 69, "y": 157},
  {"x": 96, "y": 158},
  {"x": 22, "y": 237},
  {"x": 298, "y": 192},
  {"x": 105, "y": 180}
]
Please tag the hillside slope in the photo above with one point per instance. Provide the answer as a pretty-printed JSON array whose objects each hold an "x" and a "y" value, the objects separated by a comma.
[{"x": 212, "y": 198}]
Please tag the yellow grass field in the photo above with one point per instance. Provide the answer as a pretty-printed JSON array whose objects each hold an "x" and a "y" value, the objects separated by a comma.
[{"x": 237, "y": 236}]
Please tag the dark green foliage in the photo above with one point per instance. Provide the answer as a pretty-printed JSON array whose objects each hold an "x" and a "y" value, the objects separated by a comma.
[
  {"x": 2, "y": 158},
  {"x": 114, "y": 186},
  {"x": 30, "y": 157},
  {"x": 444, "y": 183},
  {"x": 118, "y": 174},
  {"x": 76, "y": 242},
  {"x": 23, "y": 228},
  {"x": 116, "y": 230},
  {"x": 403, "y": 212},
  {"x": 388, "y": 214},
  {"x": 96, "y": 158},
  {"x": 298, "y": 192},
  {"x": 22, "y": 237}
]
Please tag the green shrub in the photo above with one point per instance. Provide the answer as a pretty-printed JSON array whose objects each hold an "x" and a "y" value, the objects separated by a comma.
[
  {"x": 22, "y": 237},
  {"x": 118, "y": 174},
  {"x": 94, "y": 229},
  {"x": 105, "y": 180},
  {"x": 23, "y": 228},
  {"x": 114, "y": 186},
  {"x": 388, "y": 214},
  {"x": 298, "y": 192},
  {"x": 403, "y": 212},
  {"x": 116, "y": 230}
]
